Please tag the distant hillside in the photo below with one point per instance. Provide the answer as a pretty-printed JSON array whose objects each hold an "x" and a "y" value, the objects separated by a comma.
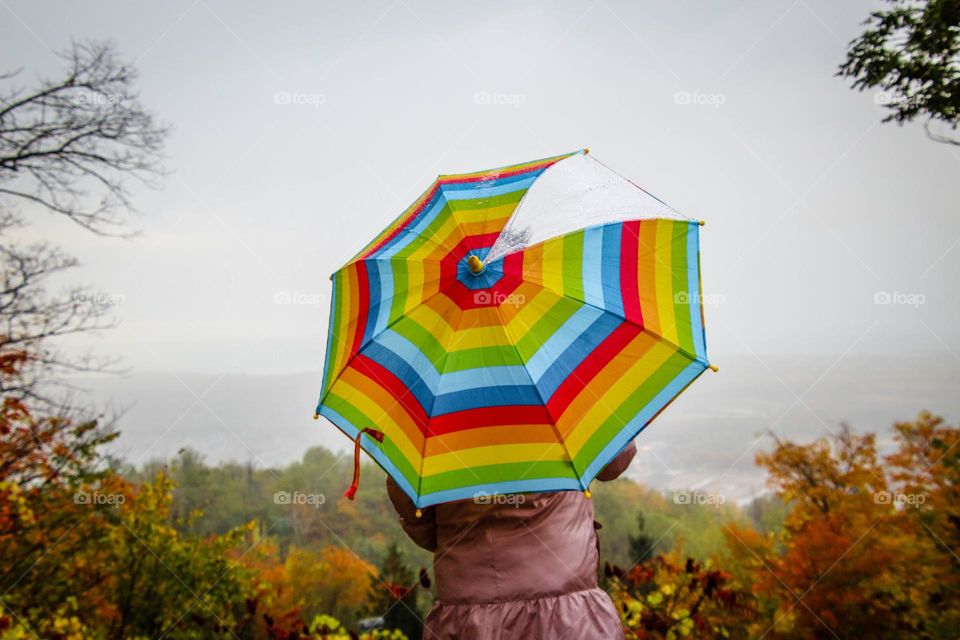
[{"x": 705, "y": 440}]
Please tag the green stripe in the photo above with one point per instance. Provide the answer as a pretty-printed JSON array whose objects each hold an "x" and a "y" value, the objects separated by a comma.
[
  {"x": 629, "y": 408},
  {"x": 334, "y": 328},
  {"x": 496, "y": 473},
  {"x": 513, "y": 197},
  {"x": 481, "y": 357},
  {"x": 546, "y": 326},
  {"x": 400, "y": 284},
  {"x": 424, "y": 339},
  {"x": 573, "y": 265}
]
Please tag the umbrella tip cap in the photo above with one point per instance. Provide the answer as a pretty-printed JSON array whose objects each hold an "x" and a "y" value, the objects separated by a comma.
[
  {"x": 714, "y": 368},
  {"x": 701, "y": 222},
  {"x": 475, "y": 264},
  {"x": 419, "y": 513},
  {"x": 316, "y": 416},
  {"x": 587, "y": 494}
]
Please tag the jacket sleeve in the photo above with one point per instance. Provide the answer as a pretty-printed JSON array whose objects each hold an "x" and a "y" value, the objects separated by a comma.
[
  {"x": 422, "y": 530},
  {"x": 619, "y": 464}
]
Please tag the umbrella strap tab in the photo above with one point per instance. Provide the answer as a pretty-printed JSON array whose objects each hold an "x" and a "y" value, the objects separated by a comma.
[{"x": 351, "y": 491}]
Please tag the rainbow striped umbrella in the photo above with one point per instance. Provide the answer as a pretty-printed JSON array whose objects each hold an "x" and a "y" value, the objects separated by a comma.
[{"x": 514, "y": 329}]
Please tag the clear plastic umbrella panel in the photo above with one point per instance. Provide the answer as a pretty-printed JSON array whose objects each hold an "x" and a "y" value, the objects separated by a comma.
[{"x": 514, "y": 329}]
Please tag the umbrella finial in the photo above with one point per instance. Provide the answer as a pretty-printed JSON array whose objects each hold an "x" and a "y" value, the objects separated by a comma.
[{"x": 475, "y": 264}]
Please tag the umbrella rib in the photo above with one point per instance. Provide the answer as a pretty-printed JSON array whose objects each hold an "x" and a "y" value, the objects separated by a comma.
[
  {"x": 681, "y": 350},
  {"x": 433, "y": 401},
  {"x": 543, "y": 401},
  {"x": 376, "y": 335}
]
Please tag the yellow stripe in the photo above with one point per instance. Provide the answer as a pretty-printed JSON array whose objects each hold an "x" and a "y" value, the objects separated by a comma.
[
  {"x": 495, "y": 454},
  {"x": 646, "y": 276},
  {"x": 553, "y": 265},
  {"x": 373, "y": 396},
  {"x": 611, "y": 398},
  {"x": 664, "y": 280}
]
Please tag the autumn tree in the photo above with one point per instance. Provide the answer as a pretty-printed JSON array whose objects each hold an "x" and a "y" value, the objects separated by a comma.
[{"x": 853, "y": 559}]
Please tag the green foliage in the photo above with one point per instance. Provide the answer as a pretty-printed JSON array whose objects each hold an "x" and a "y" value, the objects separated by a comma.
[{"x": 912, "y": 51}]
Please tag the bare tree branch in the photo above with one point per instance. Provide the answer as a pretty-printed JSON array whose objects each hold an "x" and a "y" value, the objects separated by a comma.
[{"x": 71, "y": 144}]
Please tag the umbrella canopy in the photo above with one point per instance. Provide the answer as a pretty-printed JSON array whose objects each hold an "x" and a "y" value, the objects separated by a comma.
[{"x": 514, "y": 329}]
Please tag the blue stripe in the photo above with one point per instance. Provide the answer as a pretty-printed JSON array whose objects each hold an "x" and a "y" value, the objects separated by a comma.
[
  {"x": 373, "y": 282},
  {"x": 401, "y": 240},
  {"x": 396, "y": 365},
  {"x": 576, "y": 353},
  {"x": 483, "y": 377},
  {"x": 385, "y": 268},
  {"x": 562, "y": 338},
  {"x": 504, "y": 180},
  {"x": 592, "y": 266},
  {"x": 610, "y": 269},
  {"x": 410, "y": 353},
  {"x": 518, "y": 486},
  {"x": 488, "y": 189},
  {"x": 693, "y": 286},
  {"x": 502, "y": 397},
  {"x": 640, "y": 421}
]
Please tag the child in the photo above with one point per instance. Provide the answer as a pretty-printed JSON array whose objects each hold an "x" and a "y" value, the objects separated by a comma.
[{"x": 523, "y": 567}]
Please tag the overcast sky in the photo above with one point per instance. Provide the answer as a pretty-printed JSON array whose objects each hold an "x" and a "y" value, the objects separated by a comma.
[{"x": 302, "y": 128}]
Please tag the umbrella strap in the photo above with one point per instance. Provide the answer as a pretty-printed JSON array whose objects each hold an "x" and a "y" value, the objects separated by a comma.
[{"x": 351, "y": 492}]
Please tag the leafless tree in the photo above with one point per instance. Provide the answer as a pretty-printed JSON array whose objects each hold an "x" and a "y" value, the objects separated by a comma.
[
  {"x": 71, "y": 144},
  {"x": 68, "y": 146}
]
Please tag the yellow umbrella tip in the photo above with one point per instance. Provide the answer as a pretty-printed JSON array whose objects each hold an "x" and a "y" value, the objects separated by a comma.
[
  {"x": 475, "y": 264},
  {"x": 714, "y": 368}
]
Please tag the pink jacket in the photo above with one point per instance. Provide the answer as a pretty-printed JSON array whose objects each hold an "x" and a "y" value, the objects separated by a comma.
[{"x": 519, "y": 566}]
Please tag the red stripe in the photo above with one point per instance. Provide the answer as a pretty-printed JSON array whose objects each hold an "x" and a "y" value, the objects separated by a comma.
[
  {"x": 488, "y": 417},
  {"x": 394, "y": 386},
  {"x": 403, "y": 225},
  {"x": 452, "y": 180},
  {"x": 498, "y": 174},
  {"x": 629, "y": 264},
  {"x": 593, "y": 364},
  {"x": 363, "y": 307}
]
